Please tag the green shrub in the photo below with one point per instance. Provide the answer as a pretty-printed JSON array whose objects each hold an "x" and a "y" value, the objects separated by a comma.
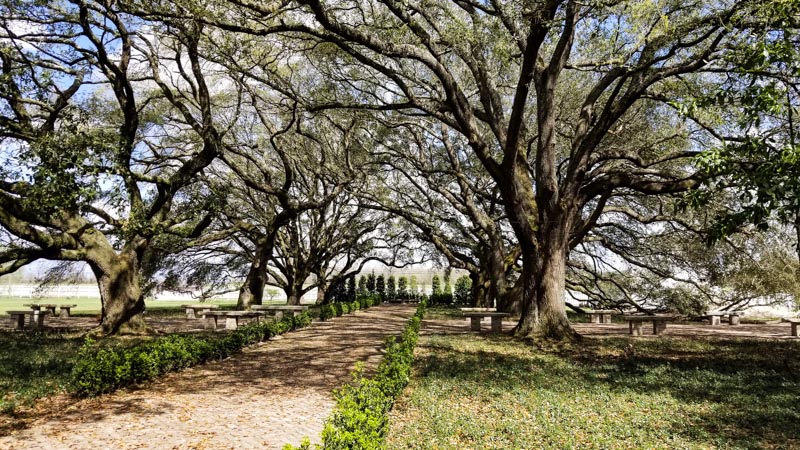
[
  {"x": 463, "y": 292},
  {"x": 99, "y": 371},
  {"x": 360, "y": 419},
  {"x": 327, "y": 312},
  {"x": 441, "y": 299}
]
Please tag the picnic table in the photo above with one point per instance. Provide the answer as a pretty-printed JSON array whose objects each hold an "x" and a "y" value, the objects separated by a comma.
[
  {"x": 659, "y": 322},
  {"x": 475, "y": 318},
  {"x": 191, "y": 310},
  {"x": 38, "y": 307},
  {"x": 36, "y": 318},
  {"x": 600, "y": 315},
  {"x": 231, "y": 318},
  {"x": 278, "y": 310},
  {"x": 478, "y": 309},
  {"x": 63, "y": 310},
  {"x": 716, "y": 316}
]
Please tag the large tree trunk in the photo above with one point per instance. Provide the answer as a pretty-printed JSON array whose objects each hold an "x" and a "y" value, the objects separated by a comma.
[
  {"x": 550, "y": 293},
  {"x": 252, "y": 291},
  {"x": 529, "y": 312},
  {"x": 120, "y": 293},
  {"x": 481, "y": 290},
  {"x": 294, "y": 293},
  {"x": 322, "y": 292},
  {"x": 544, "y": 314},
  {"x": 510, "y": 300}
]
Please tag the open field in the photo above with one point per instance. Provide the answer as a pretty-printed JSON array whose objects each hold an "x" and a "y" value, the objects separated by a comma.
[
  {"x": 473, "y": 391},
  {"x": 89, "y": 305}
]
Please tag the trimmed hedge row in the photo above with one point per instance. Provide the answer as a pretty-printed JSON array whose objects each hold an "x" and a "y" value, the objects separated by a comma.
[
  {"x": 360, "y": 419},
  {"x": 337, "y": 309},
  {"x": 98, "y": 370}
]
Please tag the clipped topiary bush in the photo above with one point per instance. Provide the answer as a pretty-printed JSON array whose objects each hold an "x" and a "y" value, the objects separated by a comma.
[
  {"x": 361, "y": 417},
  {"x": 99, "y": 371}
]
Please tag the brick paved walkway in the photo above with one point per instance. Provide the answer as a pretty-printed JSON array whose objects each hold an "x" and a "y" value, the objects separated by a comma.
[{"x": 271, "y": 394}]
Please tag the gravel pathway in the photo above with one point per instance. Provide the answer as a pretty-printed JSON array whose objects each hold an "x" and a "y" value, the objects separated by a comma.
[{"x": 271, "y": 394}]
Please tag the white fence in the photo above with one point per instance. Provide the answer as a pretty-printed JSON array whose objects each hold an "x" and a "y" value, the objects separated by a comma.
[{"x": 91, "y": 291}]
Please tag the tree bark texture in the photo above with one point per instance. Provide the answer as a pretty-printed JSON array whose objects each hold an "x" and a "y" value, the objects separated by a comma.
[
  {"x": 120, "y": 293},
  {"x": 252, "y": 291}
]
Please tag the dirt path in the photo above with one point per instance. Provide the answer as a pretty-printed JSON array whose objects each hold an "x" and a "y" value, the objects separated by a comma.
[{"x": 273, "y": 393}]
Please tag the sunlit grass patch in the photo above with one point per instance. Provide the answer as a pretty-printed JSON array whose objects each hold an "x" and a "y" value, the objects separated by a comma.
[{"x": 474, "y": 391}]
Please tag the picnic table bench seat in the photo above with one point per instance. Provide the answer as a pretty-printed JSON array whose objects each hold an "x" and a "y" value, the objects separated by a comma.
[
  {"x": 36, "y": 318},
  {"x": 794, "y": 322},
  {"x": 716, "y": 316},
  {"x": 231, "y": 318},
  {"x": 659, "y": 322},
  {"x": 64, "y": 310},
  {"x": 600, "y": 315},
  {"x": 475, "y": 318}
]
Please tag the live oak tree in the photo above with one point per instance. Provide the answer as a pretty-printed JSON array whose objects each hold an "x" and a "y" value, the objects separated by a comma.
[
  {"x": 100, "y": 154},
  {"x": 324, "y": 246},
  {"x": 441, "y": 190},
  {"x": 496, "y": 73}
]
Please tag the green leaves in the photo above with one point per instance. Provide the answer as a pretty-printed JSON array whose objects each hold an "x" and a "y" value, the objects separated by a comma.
[{"x": 99, "y": 371}]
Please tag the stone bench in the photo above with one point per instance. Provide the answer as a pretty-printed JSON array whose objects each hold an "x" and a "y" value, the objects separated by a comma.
[
  {"x": 659, "y": 323},
  {"x": 463, "y": 310},
  {"x": 794, "y": 322},
  {"x": 36, "y": 318},
  {"x": 716, "y": 316},
  {"x": 64, "y": 310},
  {"x": 600, "y": 315},
  {"x": 231, "y": 318},
  {"x": 191, "y": 310},
  {"x": 475, "y": 318},
  {"x": 278, "y": 310}
]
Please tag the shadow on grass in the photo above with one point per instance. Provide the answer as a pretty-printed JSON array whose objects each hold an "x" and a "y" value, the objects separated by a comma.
[{"x": 740, "y": 393}]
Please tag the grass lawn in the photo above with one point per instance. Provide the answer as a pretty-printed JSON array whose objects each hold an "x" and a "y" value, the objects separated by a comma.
[
  {"x": 90, "y": 305},
  {"x": 479, "y": 392},
  {"x": 33, "y": 365}
]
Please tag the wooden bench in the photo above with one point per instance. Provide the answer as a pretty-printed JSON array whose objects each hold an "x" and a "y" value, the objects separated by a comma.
[
  {"x": 600, "y": 315},
  {"x": 36, "y": 318},
  {"x": 278, "y": 310},
  {"x": 794, "y": 321},
  {"x": 659, "y": 323},
  {"x": 191, "y": 310},
  {"x": 64, "y": 310},
  {"x": 231, "y": 318},
  {"x": 475, "y": 318},
  {"x": 716, "y": 316}
]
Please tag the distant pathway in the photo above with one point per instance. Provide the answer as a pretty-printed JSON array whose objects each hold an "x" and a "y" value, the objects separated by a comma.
[{"x": 272, "y": 394}]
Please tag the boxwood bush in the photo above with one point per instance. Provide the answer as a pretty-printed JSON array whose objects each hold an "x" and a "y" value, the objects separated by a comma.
[
  {"x": 337, "y": 309},
  {"x": 98, "y": 371},
  {"x": 360, "y": 419}
]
